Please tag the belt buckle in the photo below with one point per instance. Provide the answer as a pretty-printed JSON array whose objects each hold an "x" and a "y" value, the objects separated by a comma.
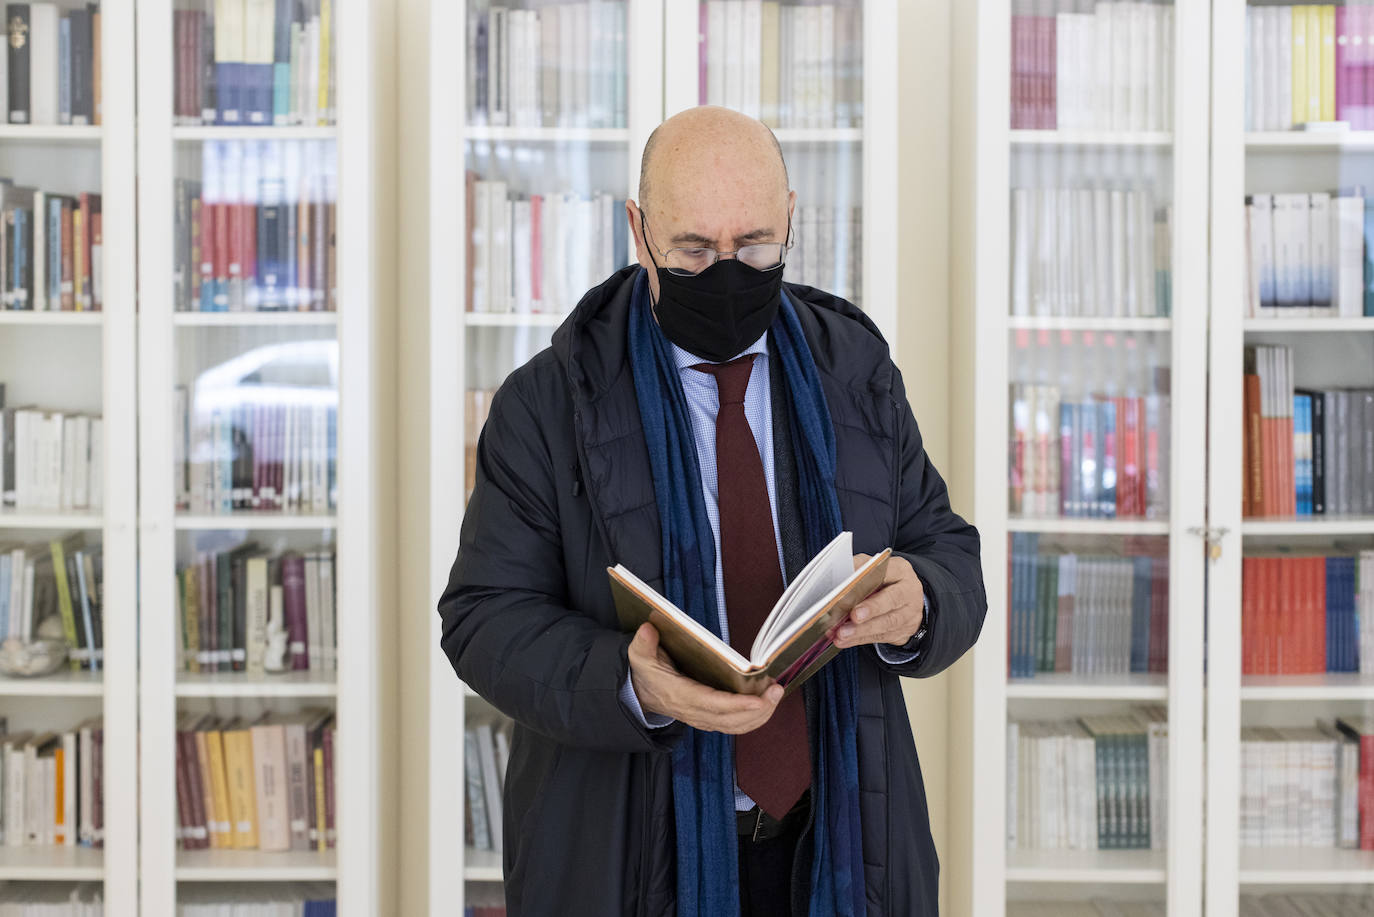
[{"x": 758, "y": 824}]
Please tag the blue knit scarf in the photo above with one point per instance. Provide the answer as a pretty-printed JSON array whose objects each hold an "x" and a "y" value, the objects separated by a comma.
[{"x": 703, "y": 762}]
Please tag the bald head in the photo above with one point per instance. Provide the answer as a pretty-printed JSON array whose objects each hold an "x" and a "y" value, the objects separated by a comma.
[{"x": 708, "y": 139}]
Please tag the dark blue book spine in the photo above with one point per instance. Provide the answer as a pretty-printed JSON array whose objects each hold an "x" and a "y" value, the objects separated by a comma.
[{"x": 1140, "y": 614}]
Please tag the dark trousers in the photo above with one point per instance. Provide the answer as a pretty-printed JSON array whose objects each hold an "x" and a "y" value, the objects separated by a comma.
[{"x": 765, "y": 874}]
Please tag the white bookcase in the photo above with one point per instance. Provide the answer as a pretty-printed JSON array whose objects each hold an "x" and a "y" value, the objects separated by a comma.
[
  {"x": 1001, "y": 345},
  {"x": 85, "y": 362},
  {"x": 471, "y": 349},
  {"x": 330, "y": 357}
]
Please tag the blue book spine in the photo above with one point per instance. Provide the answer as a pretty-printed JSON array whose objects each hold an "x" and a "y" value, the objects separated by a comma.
[
  {"x": 17, "y": 278},
  {"x": 1028, "y": 607},
  {"x": 1107, "y": 448},
  {"x": 1369, "y": 256},
  {"x": 54, "y": 253},
  {"x": 1333, "y": 621},
  {"x": 1140, "y": 614},
  {"x": 1349, "y": 597},
  {"x": 227, "y": 92}
]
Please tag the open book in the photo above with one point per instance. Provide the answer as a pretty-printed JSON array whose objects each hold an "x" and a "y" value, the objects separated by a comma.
[{"x": 795, "y": 640}]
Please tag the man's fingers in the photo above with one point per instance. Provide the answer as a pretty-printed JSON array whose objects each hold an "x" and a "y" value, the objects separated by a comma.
[{"x": 893, "y": 627}]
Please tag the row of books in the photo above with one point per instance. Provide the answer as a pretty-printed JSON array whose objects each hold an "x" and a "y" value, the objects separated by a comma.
[
  {"x": 1099, "y": 457},
  {"x": 1306, "y": 615},
  {"x": 1306, "y": 452},
  {"x": 53, "y": 787},
  {"x": 1090, "y": 251},
  {"x": 486, "y": 752},
  {"x": 789, "y": 65},
  {"x": 561, "y": 65},
  {"x": 1307, "y": 63},
  {"x": 50, "y": 250},
  {"x": 272, "y": 453},
  {"x": 1317, "y": 904},
  {"x": 1305, "y": 255},
  {"x": 476, "y": 407},
  {"x": 254, "y": 62},
  {"x": 265, "y": 785},
  {"x": 50, "y": 460},
  {"x": 1308, "y": 786},
  {"x": 257, "y": 231},
  {"x": 1108, "y": 69},
  {"x": 53, "y": 64},
  {"x": 1095, "y": 783},
  {"x": 58, "y": 579},
  {"x": 827, "y": 250},
  {"x": 247, "y": 609},
  {"x": 270, "y": 899},
  {"x": 1088, "y": 614},
  {"x": 540, "y": 252},
  {"x": 52, "y": 899}
]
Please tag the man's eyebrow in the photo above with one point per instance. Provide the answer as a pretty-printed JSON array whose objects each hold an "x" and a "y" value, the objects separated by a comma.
[{"x": 693, "y": 238}]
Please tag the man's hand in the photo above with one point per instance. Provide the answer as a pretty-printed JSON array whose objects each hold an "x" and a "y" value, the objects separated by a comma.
[
  {"x": 892, "y": 613},
  {"x": 662, "y": 689}
]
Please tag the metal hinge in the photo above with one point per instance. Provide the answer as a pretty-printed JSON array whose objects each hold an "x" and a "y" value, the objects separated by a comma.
[{"x": 1212, "y": 536}]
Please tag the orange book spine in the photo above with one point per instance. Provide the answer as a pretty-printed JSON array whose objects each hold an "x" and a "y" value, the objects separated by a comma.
[
  {"x": 1247, "y": 616},
  {"x": 1253, "y": 485}
]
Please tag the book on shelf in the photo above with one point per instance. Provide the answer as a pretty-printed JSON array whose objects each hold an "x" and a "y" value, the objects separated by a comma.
[
  {"x": 1308, "y": 65},
  {"x": 59, "y": 579},
  {"x": 1306, "y": 452},
  {"x": 52, "y": 787},
  {"x": 1086, "y": 613},
  {"x": 486, "y": 752},
  {"x": 1305, "y": 255},
  {"x": 256, "y": 231},
  {"x": 827, "y": 250},
  {"x": 789, "y": 65},
  {"x": 50, "y": 250},
  {"x": 794, "y": 641},
  {"x": 267, "y": 899},
  {"x": 264, "y": 785},
  {"x": 1095, "y": 783},
  {"x": 50, "y": 460},
  {"x": 1099, "y": 252},
  {"x": 1307, "y": 614},
  {"x": 52, "y": 73},
  {"x": 254, "y": 63},
  {"x": 235, "y": 606},
  {"x": 260, "y": 453},
  {"x": 561, "y": 65},
  {"x": 1108, "y": 67},
  {"x": 476, "y": 407},
  {"x": 1328, "y": 904}
]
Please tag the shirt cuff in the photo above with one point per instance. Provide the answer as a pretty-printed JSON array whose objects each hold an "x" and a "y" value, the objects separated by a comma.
[
  {"x": 631, "y": 701},
  {"x": 911, "y": 650}
]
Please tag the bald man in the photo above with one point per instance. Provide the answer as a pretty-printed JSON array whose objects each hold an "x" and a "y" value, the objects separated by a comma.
[{"x": 711, "y": 428}]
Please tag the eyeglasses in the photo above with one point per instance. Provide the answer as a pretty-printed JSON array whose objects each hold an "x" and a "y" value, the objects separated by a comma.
[{"x": 685, "y": 262}]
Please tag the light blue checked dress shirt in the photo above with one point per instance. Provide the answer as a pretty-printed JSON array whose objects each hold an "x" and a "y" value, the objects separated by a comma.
[{"x": 703, "y": 402}]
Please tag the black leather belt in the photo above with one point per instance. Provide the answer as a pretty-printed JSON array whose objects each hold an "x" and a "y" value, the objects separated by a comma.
[{"x": 758, "y": 825}]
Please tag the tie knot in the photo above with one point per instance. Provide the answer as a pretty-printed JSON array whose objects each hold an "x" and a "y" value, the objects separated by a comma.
[{"x": 732, "y": 379}]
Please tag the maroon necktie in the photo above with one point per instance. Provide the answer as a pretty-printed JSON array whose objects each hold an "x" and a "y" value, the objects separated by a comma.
[{"x": 772, "y": 763}]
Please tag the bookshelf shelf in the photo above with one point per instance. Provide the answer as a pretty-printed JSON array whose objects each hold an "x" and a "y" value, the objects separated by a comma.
[
  {"x": 47, "y": 133},
  {"x": 1085, "y": 323},
  {"x": 256, "y": 866},
  {"x": 197, "y": 134},
  {"x": 1065, "y": 686},
  {"x": 482, "y": 865},
  {"x": 819, "y": 135},
  {"x": 1087, "y": 866},
  {"x": 547, "y": 134},
  {"x": 1161, "y": 139},
  {"x": 513, "y": 319},
  {"x": 1328, "y": 686},
  {"x": 1309, "y": 525},
  {"x": 1089, "y": 526},
  {"x": 1310, "y": 141},
  {"x": 1308, "y": 325},
  {"x": 252, "y": 319},
  {"x": 234, "y": 684},
  {"x": 37, "y": 519},
  {"x": 63, "y": 683},
  {"x": 1305, "y": 866},
  {"x": 60, "y": 319},
  {"x": 249, "y": 520},
  {"x": 52, "y": 864}
]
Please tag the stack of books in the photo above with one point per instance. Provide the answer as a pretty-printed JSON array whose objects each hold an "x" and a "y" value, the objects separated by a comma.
[
  {"x": 1307, "y": 615},
  {"x": 1098, "y": 252},
  {"x": 59, "y": 578},
  {"x": 486, "y": 751},
  {"x": 562, "y": 65},
  {"x": 256, "y": 231},
  {"x": 50, "y": 250},
  {"x": 231, "y": 601},
  {"x": 1086, "y": 614},
  {"x": 53, "y": 787},
  {"x": 254, "y": 62},
  {"x": 1305, "y": 255},
  {"x": 52, "y": 899},
  {"x": 53, "y": 64},
  {"x": 261, "y": 785},
  {"x": 791, "y": 65},
  {"x": 1110, "y": 69},
  {"x": 50, "y": 460},
  {"x": 1095, "y": 783},
  {"x": 1308, "y": 64}
]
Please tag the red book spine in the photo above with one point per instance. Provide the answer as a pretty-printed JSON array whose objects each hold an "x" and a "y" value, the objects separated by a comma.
[
  {"x": 1159, "y": 614},
  {"x": 199, "y": 820},
  {"x": 98, "y": 786},
  {"x": 1018, "y": 74},
  {"x": 293, "y": 603},
  {"x": 68, "y": 258},
  {"x": 330, "y": 834},
  {"x": 1367, "y": 792},
  {"x": 183, "y": 798},
  {"x": 1268, "y": 599},
  {"x": 1247, "y": 615},
  {"x": 1051, "y": 75}
]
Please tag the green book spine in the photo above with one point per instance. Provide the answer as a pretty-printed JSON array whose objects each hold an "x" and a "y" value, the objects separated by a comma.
[{"x": 1051, "y": 575}]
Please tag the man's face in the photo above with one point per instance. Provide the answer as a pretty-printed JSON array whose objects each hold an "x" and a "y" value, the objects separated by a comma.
[{"x": 723, "y": 197}]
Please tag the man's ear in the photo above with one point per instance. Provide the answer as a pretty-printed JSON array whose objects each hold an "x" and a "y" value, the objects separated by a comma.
[{"x": 632, "y": 213}]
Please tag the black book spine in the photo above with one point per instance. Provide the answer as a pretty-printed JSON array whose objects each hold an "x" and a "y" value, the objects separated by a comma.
[
  {"x": 82, "y": 90},
  {"x": 17, "y": 23},
  {"x": 1318, "y": 453},
  {"x": 239, "y": 654}
]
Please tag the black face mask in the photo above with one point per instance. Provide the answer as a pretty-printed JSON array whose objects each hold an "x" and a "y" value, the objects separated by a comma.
[{"x": 719, "y": 312}]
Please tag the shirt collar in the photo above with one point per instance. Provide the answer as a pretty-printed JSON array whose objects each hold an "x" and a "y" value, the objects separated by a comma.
[{"x": 686, "y": 360}]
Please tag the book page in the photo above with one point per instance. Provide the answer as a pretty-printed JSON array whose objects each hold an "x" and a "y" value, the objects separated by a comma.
[{"x": 826, "y": 573}]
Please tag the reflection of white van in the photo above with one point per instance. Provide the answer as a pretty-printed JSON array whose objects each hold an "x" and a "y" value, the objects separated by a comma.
[{"x": 260, "y": 431}]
